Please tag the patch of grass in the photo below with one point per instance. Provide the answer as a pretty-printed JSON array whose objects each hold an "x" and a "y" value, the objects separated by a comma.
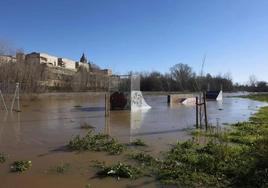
[
  {"x": 246, "y": 133},
  {"x": 257, "y": 175},
  {"x": 251, "y": 131},
  {"x": 261, "y": 117},
  {"x": 257, "y": 97},
  {"x": 21, "y": 166},
  {"x": 242, "y": 132},
  {"x": 138, "y": 142},
  {"x": 216, "y": 163},
  {"x": 189, "y": 164},
  {"x": 221, "y": 135},
  {"x": 143, "y": 158},
  {"x": 119, "y": 170},
  {"x": 243, "y": 162},
  {"x": 86, "y": 125},
  {"x": 3, "y": 157},
  {"x": 96, "y": 142}
]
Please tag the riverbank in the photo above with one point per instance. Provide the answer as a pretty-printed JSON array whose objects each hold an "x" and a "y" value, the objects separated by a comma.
[{"x": 236, "y": 158}]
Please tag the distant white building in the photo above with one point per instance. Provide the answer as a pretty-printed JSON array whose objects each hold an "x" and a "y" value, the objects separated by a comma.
[
  {"x": 42, "y": 58},
  {"x": 49, "y": 60},
  {"x": 66, "y": 63},
  {"x": 7, "y": 59}
]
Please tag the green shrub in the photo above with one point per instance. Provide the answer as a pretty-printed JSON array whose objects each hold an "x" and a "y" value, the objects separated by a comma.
[
  {"x": 143, "y": 158},
  {"x": 96, "y": 142},
  {"x": 21, "y": 166}
]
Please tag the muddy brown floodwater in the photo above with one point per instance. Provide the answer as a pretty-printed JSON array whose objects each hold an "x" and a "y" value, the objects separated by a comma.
[{"x": 40, "y": 132}]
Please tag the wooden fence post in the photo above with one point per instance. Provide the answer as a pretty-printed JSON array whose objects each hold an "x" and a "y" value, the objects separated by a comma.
[
  {"x": 200, "y": 110},
  {"x": 196, "y": 111},
  {"x": 205, "y": 109}
]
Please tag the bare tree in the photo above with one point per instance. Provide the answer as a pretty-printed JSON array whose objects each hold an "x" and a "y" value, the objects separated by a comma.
[
  {"x": 252, "y": 80},
  {"x": 31, "y": 76},
  {"x": 182, "y": 73}
]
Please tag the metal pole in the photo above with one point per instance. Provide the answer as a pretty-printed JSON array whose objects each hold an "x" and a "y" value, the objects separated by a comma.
[
  {"x": 13, "y": 101},
  {"x": 196, "y": 112},
  {"x": 107, "y": 100},
  {"x": 200, "y": 109},
  {"x": 18, "y": 98}
]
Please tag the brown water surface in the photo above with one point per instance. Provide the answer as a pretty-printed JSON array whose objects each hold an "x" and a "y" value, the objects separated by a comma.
[{"x": 40, "y": 132}]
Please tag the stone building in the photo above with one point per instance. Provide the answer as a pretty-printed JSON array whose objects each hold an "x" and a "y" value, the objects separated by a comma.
[
  {"x": 56, "y": 62},
  {"x": 83, "y": 62},
  {"x": 42, "y": 58},
  {"x": 66, "y": 63},
  {"x": 107, "y": 72},
  {"x": 7, "y": 59}
]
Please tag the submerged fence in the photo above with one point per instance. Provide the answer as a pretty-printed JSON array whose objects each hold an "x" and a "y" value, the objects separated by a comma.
[{"x": 9, "y": 95}]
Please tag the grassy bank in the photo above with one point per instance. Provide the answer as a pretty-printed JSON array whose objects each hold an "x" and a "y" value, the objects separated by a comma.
[
  {"x": 238, "y": 158},
  {"x": 258, "y": 97}
]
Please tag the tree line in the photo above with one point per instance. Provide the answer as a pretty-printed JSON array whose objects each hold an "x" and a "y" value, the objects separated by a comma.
[
  {"x": 39, "y": 78},
  {"x": 181, "y": 77}
]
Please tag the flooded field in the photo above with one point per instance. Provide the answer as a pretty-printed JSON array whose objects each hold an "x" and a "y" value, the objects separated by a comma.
[{"x": 40, "y": 132}]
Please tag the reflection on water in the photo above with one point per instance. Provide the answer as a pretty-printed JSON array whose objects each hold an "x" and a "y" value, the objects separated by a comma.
[
  {"x": 136, "y": 119},
  {"x": 107, "y": 126},
  {"x": 49, "y": 122},
  {"x": 14, "y": 128}
]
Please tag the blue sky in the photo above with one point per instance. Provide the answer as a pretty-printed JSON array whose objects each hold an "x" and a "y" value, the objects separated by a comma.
[{"x": 145, "y": 35}]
